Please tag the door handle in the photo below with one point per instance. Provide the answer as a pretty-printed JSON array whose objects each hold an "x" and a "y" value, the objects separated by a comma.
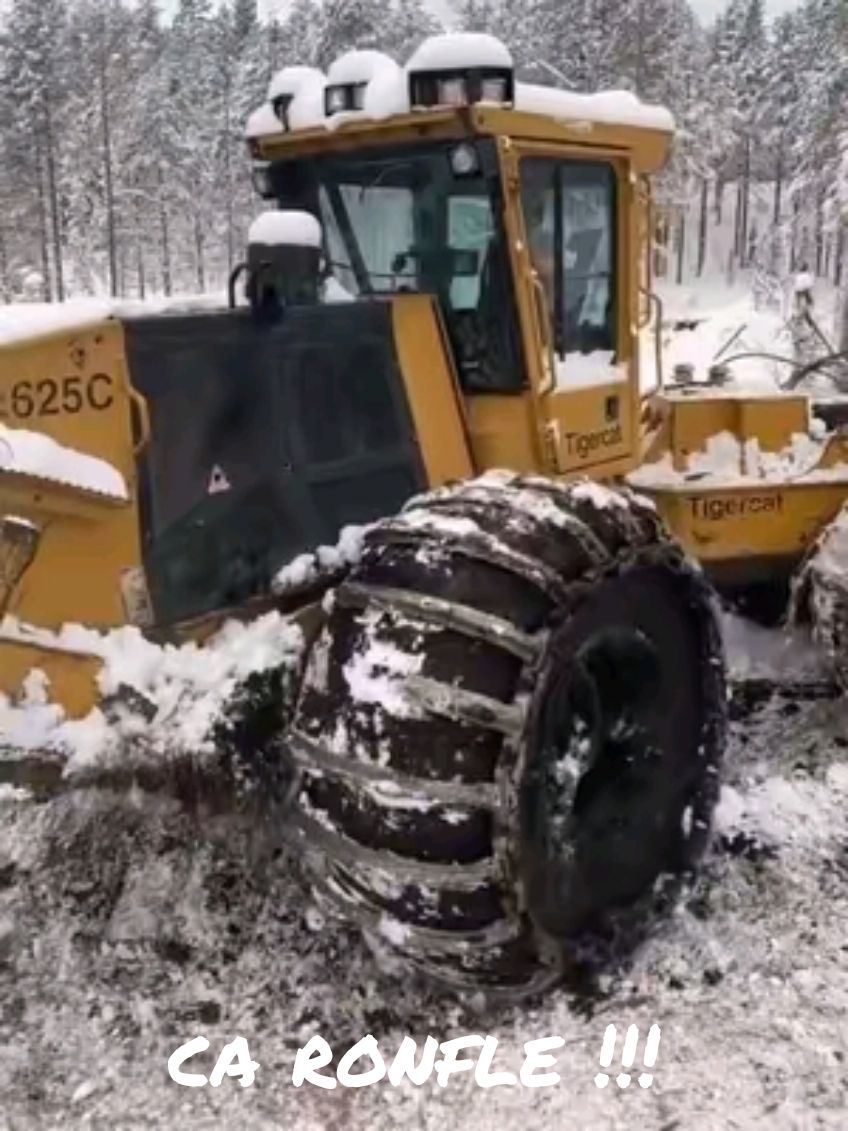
[
  {"x": 140, "y": 416},
  {"x": 546, "y": 338}
]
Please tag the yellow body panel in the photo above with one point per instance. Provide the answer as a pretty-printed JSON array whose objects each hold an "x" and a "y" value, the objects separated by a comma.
[
  {"x": 74, "y": 388},
  {"x": 768, "y": 522},
  {"x": 741, "y": 524},
  {"x": 72, "y": 675},
  {"x": 431, "y": 389}
]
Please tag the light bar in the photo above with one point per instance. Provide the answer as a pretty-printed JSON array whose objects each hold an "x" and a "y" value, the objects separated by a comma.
[{"x": 466, "y": 87}]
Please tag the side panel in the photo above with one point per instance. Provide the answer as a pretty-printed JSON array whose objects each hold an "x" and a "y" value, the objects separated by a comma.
[
  {"x": 73, "y": 388},
  {"x": 435, "y": 401},
  {"x": 270, "y": 439}
]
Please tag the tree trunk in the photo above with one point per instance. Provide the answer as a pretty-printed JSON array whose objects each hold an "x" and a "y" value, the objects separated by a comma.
[
  {"x": 843, "y": 303},
  {"x": 43, "y": 237},
  {"x": 840, "y": 256},
  {"x": 228, "y": 174},
  {"x": 106, "y": 138},
  {"x": 53, "y": 191},
  {"x": 778, "y": 185},
  {"x": 5, "y": 289},
  {"x": 703, "y": 226},
  {"x": 793, "y": 258},
  {"x": 745, "y": 201},
  {"x": 199, "y": 249},
  {"x": 164, "y": 228},
  {"x": 681, "y": 247}
]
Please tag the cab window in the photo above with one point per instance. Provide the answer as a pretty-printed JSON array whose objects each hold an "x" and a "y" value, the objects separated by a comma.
[{"x": 569, "y": 211}]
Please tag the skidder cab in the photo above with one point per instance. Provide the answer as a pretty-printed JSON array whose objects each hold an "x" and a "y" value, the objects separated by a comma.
[{"x": 509, "y": 717}]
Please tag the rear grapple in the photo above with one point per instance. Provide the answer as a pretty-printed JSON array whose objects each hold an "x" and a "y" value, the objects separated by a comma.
[{"x": 423, "y": 729}]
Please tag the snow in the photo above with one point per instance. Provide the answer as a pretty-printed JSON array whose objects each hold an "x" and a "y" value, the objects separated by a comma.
[
  {"x": 356, "y": 67},
  {"x": 24, "y": 320},
  {"x": 262, "y": 122},
  {"x": 187, "y": 688},
  {"x": 588, "y": 370},
  {"x": 614, "y": 107},
  {"x": 288, "y": 227},
  {"x": 457, "y": 50},
  {"x": 290, "y": 80},
  {"x": 32, "y": 453},
  {"x": 326, "y": 560},
  {"x": 599, "y": 496},
  {"x": 780, "y": 656},
  {"x": 726, "y": 462},
  {"x": 306, "y": 111},
  {"x": 377, "y": 674},
  {"x": 804, "y": 282}
]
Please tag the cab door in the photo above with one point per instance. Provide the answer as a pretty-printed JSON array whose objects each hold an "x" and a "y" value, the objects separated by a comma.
[{"x": 571, "y": 221}]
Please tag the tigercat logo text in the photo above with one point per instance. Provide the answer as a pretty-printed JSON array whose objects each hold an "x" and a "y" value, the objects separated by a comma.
[
  {"x": 585, "y": 444},
  {"x": 718, "y": 508}
]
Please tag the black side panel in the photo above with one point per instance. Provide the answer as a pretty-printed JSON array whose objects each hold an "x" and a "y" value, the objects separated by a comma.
[{"x": 267, "y": 440}]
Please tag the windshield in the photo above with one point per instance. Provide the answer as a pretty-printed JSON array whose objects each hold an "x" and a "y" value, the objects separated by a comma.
[{"x": 422, "y": 219}]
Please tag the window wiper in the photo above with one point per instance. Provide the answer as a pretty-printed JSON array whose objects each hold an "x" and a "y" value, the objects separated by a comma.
[{"x": 381, "y": 176}]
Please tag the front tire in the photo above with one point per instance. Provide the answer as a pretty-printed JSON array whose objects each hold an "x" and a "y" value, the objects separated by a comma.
[{"x": 510, "y": 727}]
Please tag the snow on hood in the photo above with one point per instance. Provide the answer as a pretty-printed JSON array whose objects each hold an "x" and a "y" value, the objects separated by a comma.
[
  {"x": 32, "y": 453},
  {"x": 726, "y": 462},
  {"x": 187, "y": 688},
  {"x": 21, "y": 321}
]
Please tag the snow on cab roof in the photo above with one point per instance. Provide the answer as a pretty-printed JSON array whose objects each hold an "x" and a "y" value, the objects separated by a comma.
[{"x": 386, "y": 90}]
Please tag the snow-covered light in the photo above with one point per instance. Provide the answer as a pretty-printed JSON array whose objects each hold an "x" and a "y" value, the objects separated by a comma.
[
  {"x": 290, "y": 80},
  {"x": 286, "y": 228},
  {"x": 263, "y": 122},
  {"x": 294, "y": 92},
  {"x": 460, "y": 51},
  {"x": 359, "y": 66},
  {"x": 366, "y": 81},
  {"x": 460, "y": 70}
]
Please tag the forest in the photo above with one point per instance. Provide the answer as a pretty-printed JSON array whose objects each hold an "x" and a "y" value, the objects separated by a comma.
[{"x": 123, "y": 169}]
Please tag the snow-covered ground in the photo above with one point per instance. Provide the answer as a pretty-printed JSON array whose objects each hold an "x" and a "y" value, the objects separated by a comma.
[{"x": 126, "y": 931}]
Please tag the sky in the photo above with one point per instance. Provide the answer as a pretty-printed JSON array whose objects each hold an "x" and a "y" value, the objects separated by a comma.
[{"x": 706, "y": 9}]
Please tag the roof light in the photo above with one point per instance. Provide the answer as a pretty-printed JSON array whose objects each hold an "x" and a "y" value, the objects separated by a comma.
[
  {"x": 295, "y": 95},
  {"x": 464, "y": 160},
  {"x": 343, "y": 97},
  {"x": 461, "y": 88},
  {"x": 460, "y": 70}
]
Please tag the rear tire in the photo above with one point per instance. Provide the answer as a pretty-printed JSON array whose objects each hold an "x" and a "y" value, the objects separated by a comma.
[
  {"x": 820, "y": 596},
  {"x": 510, "y": 727}
]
